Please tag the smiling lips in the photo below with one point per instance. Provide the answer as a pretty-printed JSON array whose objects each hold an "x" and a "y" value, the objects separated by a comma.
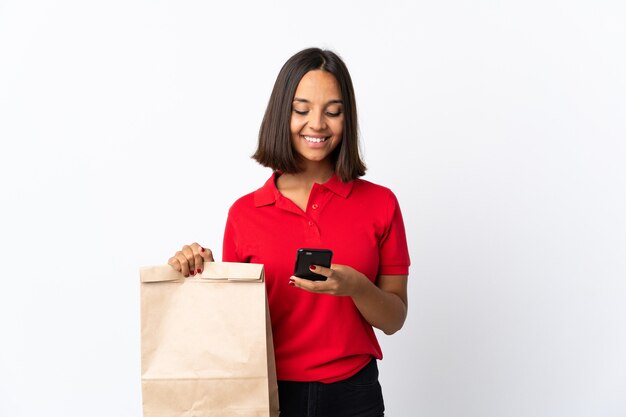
[{"x": 314, "y": 139}]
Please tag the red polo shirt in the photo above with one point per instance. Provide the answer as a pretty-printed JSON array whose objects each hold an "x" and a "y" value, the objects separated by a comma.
[{"x": 318, "y": 337}]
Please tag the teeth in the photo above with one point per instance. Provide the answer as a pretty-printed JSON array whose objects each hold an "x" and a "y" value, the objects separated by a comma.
[{"x": 314, "y": 140}]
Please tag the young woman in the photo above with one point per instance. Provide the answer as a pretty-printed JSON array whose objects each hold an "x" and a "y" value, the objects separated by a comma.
[{"x": 325, "y": 346}]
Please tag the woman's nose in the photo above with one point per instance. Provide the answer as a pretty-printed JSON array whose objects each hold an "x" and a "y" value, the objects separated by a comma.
[{"x": 317, "y": 121}]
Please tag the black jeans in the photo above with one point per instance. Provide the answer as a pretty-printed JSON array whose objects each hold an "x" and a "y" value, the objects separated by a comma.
[{"x": 358, "y": 396}]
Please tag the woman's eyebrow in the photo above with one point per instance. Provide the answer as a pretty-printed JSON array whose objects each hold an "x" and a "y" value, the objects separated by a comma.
[{"x": 304, "y": 100}]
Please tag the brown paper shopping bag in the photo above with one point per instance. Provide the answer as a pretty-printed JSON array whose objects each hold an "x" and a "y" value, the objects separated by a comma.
[{"x": 206, "y": 343}]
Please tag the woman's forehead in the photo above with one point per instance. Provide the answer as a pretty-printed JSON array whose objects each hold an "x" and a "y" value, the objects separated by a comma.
[{"x": 316, "y": 85}]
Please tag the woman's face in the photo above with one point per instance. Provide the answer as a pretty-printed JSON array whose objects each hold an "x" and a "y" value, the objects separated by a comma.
[{"x": 317, "y": 116}]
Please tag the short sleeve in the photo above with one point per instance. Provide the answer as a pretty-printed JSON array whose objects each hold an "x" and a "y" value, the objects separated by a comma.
[
  {"x": 393, "y": 249},
  {"x": 229, "y": 246}
]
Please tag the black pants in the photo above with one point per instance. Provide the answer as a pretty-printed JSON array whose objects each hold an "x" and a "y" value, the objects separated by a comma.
[{"x": 357, "y": 396}]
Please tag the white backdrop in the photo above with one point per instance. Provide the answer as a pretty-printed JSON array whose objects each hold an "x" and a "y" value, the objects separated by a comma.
[{"x": 126, "y": 128}]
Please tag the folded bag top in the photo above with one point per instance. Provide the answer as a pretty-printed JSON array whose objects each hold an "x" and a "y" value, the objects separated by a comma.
[{"x": 211, "y": 272}]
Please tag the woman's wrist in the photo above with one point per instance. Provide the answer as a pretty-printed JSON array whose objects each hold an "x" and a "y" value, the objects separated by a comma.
[{"x": 361, "y": 285}]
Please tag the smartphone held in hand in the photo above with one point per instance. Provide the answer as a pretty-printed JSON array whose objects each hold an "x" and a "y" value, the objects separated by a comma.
[{"x": 307, "y": 257}]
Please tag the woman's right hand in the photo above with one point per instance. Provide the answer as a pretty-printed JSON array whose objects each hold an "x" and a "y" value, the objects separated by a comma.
[{"x": 190, "y": 259}]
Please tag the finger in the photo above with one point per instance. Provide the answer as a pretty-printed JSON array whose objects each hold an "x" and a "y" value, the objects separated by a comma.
[
  {"x": 199, "y": 263},
  {"x": 191, "y": 259},
  {"x": 206, "y": 253},
  {"x": 327, "y": 272},
  {"x": 307, "y": 284},
  {"x": 184, "y": 264},
  {"x": 173, "y": 262},
  {"x": 197, "y": 259}
]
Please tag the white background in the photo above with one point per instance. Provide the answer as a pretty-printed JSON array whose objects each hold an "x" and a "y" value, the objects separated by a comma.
[{"x": 126, "y": 128}]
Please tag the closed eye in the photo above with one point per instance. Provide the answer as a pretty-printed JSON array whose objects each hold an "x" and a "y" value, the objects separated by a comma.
[{"x": 328, "y": 113}]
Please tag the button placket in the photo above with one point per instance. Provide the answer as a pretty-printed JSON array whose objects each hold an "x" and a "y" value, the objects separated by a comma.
[
  {"x": 317, "y": 194},
  {"x": 313, "y": 212}
]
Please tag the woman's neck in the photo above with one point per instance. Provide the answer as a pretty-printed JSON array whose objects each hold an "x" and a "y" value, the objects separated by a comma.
[{"x": 312, "y": 173}]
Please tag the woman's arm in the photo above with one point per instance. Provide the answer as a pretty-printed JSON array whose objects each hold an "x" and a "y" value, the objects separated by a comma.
[{"x": 383, "y": 305}]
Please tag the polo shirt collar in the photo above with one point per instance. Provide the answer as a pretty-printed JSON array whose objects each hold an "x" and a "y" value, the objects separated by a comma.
[
  {"x": 338, "y": 187},
  {"x": 269, "y": 194}
]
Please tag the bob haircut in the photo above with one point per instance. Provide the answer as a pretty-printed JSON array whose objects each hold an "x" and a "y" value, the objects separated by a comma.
[{"x": 275, "y": 149}]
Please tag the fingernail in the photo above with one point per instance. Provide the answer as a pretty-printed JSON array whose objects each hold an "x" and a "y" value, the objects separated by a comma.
[
  {"x": 193, "y": 273},
  {"x": 201, "y": 249},
  {"x": 312, "y": 267},
  {"x": 293, "y": 284},
  {"x": 199, "y": 271},
  {"x": 186, "y": 275}
]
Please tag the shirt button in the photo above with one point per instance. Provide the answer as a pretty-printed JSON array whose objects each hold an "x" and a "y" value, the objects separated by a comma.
[
  {"x": 314, "y": 206},
  {"x": 310, "y": 223}
]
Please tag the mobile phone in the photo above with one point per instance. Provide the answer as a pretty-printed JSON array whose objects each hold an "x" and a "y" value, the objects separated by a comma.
[{"x": 307, "y": 257}]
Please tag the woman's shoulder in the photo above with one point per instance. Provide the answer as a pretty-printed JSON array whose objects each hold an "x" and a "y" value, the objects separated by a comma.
[
  {"x": 243, "y": 201},
  {"x": 260, "y": 197},
  {"x": 378, "y": 198},
  {"x": 368, "y": 188}
]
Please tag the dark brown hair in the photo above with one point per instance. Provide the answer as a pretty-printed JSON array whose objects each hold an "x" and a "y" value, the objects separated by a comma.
[{"x": 275, "y": 150}]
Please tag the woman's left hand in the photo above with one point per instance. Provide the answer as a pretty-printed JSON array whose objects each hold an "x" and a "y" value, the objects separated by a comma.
[
  {"x": 383, "y": 304},
  {"x": 340, "y": 280}
]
